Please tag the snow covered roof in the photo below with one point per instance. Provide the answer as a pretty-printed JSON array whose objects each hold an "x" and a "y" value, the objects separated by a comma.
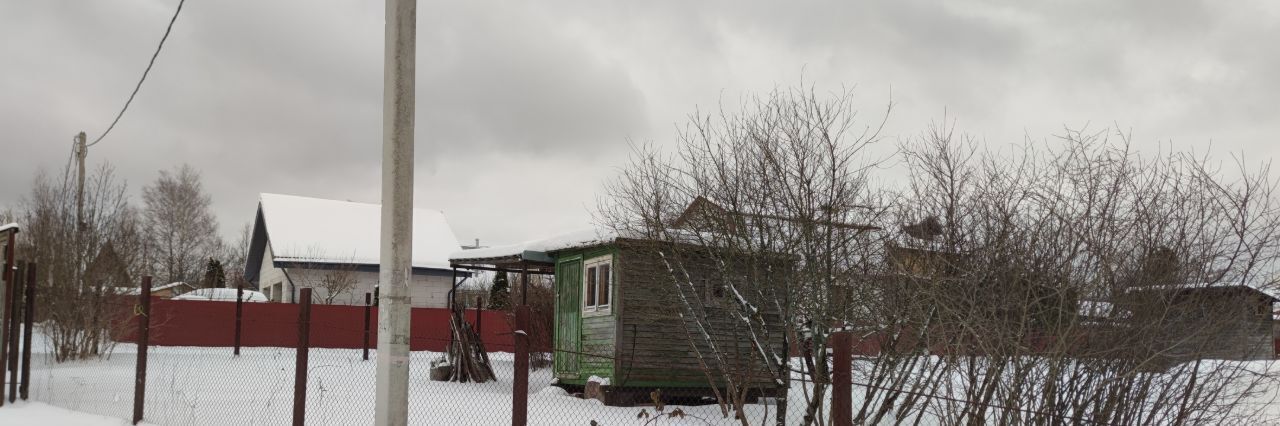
[
  {"x": 315, "y": 230},
  {"x": 538, "y": 249},
  {"x": 222, "y": 295},
  {"x": 134, "y": 291},
  {"x": 8, "y": 226}
]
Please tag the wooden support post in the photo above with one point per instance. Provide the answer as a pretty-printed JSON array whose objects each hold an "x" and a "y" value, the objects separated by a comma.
[
  {"x": 368, "y": 306},
  {"x": 520, "y": 385},
  {"x": 144, "y": 340},
  {"x": 300, "y": 373},
  {"x": 239, "y": 312},
  {"x": 13, "y": 308},
  {"x": 479, "y": 311},
  {"x": 28, "y": 323},
  {"x": 6, "y": 294},
  {"x": 842, "y": 379},
  {"x": 524, "y": 287}
]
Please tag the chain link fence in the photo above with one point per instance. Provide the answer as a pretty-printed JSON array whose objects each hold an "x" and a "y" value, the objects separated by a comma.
[{"x": 275, "y": 376}]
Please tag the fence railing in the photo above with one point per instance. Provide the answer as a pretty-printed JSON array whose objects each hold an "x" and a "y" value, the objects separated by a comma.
[
  {"x": 168, "y": 356},
  {"x": 15, "y": 338},
  {"x": 237, "y": 363}
]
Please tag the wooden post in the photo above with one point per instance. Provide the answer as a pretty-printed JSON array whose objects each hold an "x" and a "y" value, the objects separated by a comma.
[
  {"x": 6, "y": 294},
  {"x": 239, "y": 312},
  {"x": 368, "y": 306},
  {"x": 144, "y": 340},
  {"x": 524, "y": 287},
  {"x": 520, "y": 385},
  {"x": 13, "y": 307},
  {"x": 300, "y": 373},
  {"x": 478, "y": 312},
  {"x": 28, "y": 322},
  {"x": 842, "y": 379}
]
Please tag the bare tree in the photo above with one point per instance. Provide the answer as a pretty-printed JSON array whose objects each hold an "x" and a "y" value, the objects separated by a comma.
[
  {"x": 80, "y": 267},
  {"x": 236, "y": 254},
  {"x": 1062, "y": 282},
  {"x": 1072, "y": 282},
  {"x": 181, "y": 229},
  {"x": 337, "y": 283},
  {"x": 761, "y": 220}
]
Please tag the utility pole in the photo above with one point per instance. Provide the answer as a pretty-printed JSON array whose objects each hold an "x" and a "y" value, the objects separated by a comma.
[
  {"x": 391, "y": 406},
  {"x": 82, "y": 151}
]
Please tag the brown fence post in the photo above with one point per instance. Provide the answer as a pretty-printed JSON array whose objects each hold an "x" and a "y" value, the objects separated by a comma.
[
  {"x": 479, "y": 310},
  {"x": 368, "y": 303},
  {"x": 239, "y": 312},
  {"x": 520, "y": 384},
  {"x": 12, "y": 344},
  {"x": 300, "y": 374},
  {"x": 28, "y": 322},
  {"x": 842, "y": 379},
  {"x": 6, "y": 294},
  {"x": 143, "y": 340}
]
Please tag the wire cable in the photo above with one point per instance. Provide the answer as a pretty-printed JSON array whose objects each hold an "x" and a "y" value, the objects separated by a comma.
[{"x": 144, "y": 74}]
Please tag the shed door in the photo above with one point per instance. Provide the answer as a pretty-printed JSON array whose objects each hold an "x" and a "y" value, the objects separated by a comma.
[{"x": 568, "y": 324}]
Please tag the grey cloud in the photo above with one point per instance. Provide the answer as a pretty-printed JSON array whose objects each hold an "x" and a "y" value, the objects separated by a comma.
[{"x": 285, "y": 96}]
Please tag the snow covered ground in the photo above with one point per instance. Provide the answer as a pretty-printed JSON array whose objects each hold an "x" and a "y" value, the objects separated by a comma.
[
  {"x": 208, "y": 386},
  {"x": 35, "y": 413}
]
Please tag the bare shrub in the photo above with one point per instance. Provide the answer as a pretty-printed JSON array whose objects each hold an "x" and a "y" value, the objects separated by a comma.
[
  {"x": 1061, "y": 282},
  {"x": 80, "y": 267},
  {"x": 763, "y": 210}
]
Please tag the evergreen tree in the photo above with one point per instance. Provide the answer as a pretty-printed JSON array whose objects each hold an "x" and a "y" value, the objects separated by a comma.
[
  {"x": 500, "y": 292},
  {"x": 214, "y": 276}
]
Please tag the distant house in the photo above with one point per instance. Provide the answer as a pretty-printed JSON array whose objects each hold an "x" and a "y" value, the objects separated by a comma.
[
  {"x": 333, "y": 247},
  {"x": 108, "y": 270},
  {"x": 1204, "y": 320}
]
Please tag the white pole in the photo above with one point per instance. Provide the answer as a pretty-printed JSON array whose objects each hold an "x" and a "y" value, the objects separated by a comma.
[{"x": 392, "y": 404}]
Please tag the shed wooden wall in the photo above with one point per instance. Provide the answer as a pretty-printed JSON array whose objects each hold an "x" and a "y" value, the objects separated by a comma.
[{"x": 654, "y": 340}]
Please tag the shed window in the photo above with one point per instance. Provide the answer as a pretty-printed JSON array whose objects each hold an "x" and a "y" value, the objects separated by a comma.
[{"x": 597, "y": 286}]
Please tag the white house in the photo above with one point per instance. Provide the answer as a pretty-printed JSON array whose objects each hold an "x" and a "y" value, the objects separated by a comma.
[{"x": 331, "y": 245}]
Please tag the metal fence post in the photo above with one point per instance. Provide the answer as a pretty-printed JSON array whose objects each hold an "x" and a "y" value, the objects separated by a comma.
[
  {"x": 144, "y": 340},
  {"x": 842, "y": 379},
  {"x": 12, "y": 307},
  {"x": 239, "y": 312},
  {"x": 479, "y": 311},
  {"x": 520, "y": 383},
  {"x": 28, "y": 323},
  {"x": 300, "y": 374},
  {"x": 6, "y": 293},
  {"x": 367, "y": 307}
]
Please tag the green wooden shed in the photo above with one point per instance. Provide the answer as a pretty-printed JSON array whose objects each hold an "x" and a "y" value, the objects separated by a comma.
[{"x": 617, "y": 318}]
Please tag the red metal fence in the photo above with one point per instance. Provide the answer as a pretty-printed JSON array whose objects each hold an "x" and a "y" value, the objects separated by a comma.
[{"x": 212, "y": 324}]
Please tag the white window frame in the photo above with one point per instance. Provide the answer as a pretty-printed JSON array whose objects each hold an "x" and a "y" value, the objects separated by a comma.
[{"x": 597, "y": 309}]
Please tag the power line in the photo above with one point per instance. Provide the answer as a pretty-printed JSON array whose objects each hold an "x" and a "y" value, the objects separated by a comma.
[{"x": 144, "y": 74}]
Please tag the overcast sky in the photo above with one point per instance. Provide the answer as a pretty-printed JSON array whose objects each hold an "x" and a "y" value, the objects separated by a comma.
[{"x": 525, "y": 108}]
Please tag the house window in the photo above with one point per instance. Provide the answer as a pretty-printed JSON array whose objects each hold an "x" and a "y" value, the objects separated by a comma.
[{"x": 597, "y": 286}]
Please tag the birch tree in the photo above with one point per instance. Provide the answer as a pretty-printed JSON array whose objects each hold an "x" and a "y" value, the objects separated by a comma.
[{"x": 181, "y": 229}]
